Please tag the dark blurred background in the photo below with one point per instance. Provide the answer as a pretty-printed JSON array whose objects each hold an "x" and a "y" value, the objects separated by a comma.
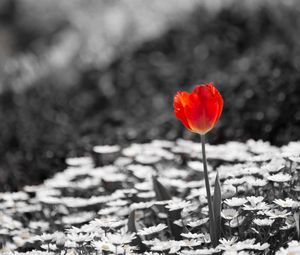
[{"x": 78, "y": 73}]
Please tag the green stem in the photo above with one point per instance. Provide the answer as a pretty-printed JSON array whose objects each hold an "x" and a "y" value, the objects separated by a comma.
[
  {"x": 230, "y": 230},
  {"x": 273, "y": 189},
  {"x": 208, "y": 194}
]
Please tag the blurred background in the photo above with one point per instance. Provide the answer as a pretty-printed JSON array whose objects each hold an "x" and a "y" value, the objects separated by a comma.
[{"x": 76, "y": 73}]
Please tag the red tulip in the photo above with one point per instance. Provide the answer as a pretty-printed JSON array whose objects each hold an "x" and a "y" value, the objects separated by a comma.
[{"x": 200, "y": 110}]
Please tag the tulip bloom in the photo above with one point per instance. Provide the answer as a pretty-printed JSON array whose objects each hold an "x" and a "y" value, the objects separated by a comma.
[{"x": 200, "y": 110}]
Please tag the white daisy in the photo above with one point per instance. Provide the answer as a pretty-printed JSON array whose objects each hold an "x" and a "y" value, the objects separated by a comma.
[
  {"x": 295, "y": 158},
  {"x": 80, "y": 161},
  {"x": 274, "y": 166},
  {"x": 103, "y": 246},
  {"x": 152, "y": 230},
  {"x": 229, "y": 214},
  {"x": 280, "y": 177},
  {"x": 162, "y": 215},
  {"x": 59, "y": 238},
  {"x": 109, "y": 222},
  {"x": 235, "y": 201},
  {"x": 248, "y": 244},
  {"x": 117, "y": 203},
  {"x": 192, "y": 235},
  {"x": 150, "y": 194},
  {"x": 151, "y": 242},
  {"x": 147, "y": 159},
  {"x": 106, "y": 149},
  {"x": 228, "y": 191},
  {"x": 255, "y": 200},
  {"x": 275, "y": 213},
  {"x": 258, "y": 182},
  {"x": 162, "y": 143},
  {"x": 141, "y": 205},
  {"x": 207, "y": 238},
  {"x": 225, "y": 244},
  {"x": 251, "y": 170},
  {"x": 197, "y": 223},
  {"x": 260, "y": 147},
  {"x": 287, "y": 203},
  {"x": 174, "y": 249},
  {"x": 292, "y": 249},
  {"x": 108, "y": 211},
  {"x": 162, "y": 246},
  {"x": 71, "y": 244},
  {"x": 79, "y": 237},
  {"x": 198, "y": 166},
  {"x": 191, "y": 242},
  {"x": 162, "y": 202},
  {"x": 178, "y": 223},
  {"x": 143, "y": 186},
  {"x": 263, "y": 222},
  {"x": 122, "y": 161},
  {"x": 204, "y": 251},
  {"x": 39, "y": 225},
  {"x": 174, "y": 205},
  {"x": 289, "y": 223},
  {"x": 258, "y": 207},
  {"x": 236, "y": 222},
  {"x": 120, "y": 238},
  {"x": 47, "y": 247},
  {"x": 233, "y": 251},
  {"x": 77, "y": 218},
  {"x": 235, "y": 181},
  {"x": 45, "y": 237},
  {"x": 258, "y": 246}
]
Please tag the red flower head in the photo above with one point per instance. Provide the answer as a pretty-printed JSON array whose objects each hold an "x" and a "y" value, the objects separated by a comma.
[{"x": 200, "y": 110}]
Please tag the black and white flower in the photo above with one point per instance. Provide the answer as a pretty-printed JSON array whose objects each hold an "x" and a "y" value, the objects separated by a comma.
[{"x": 152, "y": 230}]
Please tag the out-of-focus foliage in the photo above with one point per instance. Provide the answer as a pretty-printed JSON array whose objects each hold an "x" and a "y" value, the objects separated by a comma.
[
  {"x": 67, "y": 36},
  {"x": 252, "y": 55}
]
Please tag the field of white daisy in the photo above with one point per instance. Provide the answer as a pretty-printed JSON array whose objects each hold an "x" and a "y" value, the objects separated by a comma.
[{"x": 150, "y": 199}]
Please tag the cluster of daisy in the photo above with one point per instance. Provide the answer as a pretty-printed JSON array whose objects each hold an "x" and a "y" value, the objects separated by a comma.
[{"x": 151, "y": 199}]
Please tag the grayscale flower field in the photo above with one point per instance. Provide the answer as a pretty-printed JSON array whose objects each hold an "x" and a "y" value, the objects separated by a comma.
[{"x": 151, "y": 199}]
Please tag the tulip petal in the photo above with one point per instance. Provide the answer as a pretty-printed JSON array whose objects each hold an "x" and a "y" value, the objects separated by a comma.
[
  {"x": 205, "y": 108},
  {"x": 196, "y": 114},
  {"x": 180, "y": 101}
]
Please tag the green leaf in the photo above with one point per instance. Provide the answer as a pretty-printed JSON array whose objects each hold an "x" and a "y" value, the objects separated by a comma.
[
  {"x": 131, "y": 222},
  {"x": 175, "y": 229},
  {"x": 217, "y": 200},
  {"x": 161, "y": 192},
  {"x": 131, "y": 228}
]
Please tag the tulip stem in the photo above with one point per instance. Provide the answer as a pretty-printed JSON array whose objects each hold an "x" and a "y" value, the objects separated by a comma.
[{"x": 208, "y": 194}]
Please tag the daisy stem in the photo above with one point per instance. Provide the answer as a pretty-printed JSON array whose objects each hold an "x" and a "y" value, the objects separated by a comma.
[
  {"x": 290, "y": 168},
  {"x": 84, "y": 247},
  {"x": 273, "y": 189},
  {"x": 208, "y": 194},
  {"x": 229, "y": 223},
  {"x": 238, "y": 223},
  {"x": 282, "y": 187},
  {"x": 256, "y": 191}
]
